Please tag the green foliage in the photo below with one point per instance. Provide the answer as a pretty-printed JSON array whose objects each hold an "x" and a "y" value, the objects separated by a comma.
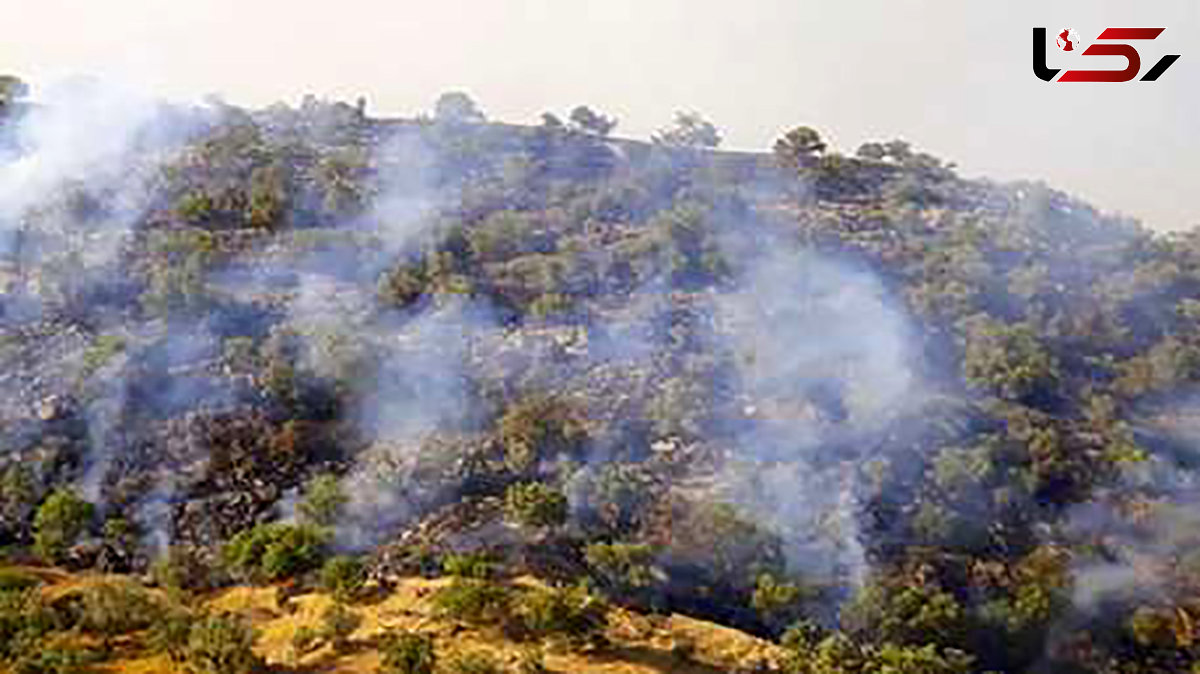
[
  {"x": 691, "y": 131},
  {"x": 904, "y": 615},
  {"x": 323, "y": 501},
  {"x": 16, "y": 580},
  {"x": 181, "y": 568},
  {"x": 275, "y": 550},
  {"x": 799, "y": 148},
  {"x": 171, "y": 633},
  {"x": 337, "y": 624},
  {"x": 474, "y": 662},
  {"x": 58, "y": 658},
  {"x": 476, "y": 565},
  {"x": 585, "y": 120},
  {"x": 572, "y": 613},
  {"x": 406, "y": 653},
  {"x": 472, "y": 600},
  {"x": 114, "y": 608},
  {"x": 776, "y": 602},
  {"x": 550, "y": 305},
  {"x": 60, "y": 521},
  {"x": 24, "y": 620},
  {"x": 12, "y": 89},
  {"x": 195, "y": 208},
  {"x": 838, "y": 654},
  {"x": 103, "y": 349},
  {"x": 18, "y": 499},
  {"x": 456, "y": 107},
  {"x": 623, "y": 568},
  {"x": 343, "y": 576},
  {"x": 221, "y": 644},
  {"x": 1007, "y": 360},
  {"x": 305, "y": 640},
  {"x": 533, "y": 504},
  {"x": 536, "y": 429}
]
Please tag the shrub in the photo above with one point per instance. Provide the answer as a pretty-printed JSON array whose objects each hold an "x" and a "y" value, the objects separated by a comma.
[
  {"x": 622, "y": 567},
  {"x": 777, "y": 603},
  {"x": 468, "y": 565},
  {"x": 171, "y": 633},
  {"x": 115, "y": 608},
  {"x": 274, "y": 551},
  {"x": 474, "y": 662},
  {"x": 406, "y": 653},
  {"x": 305, "y": 640},
  {"x": 573, "y": 613},
  {"x": 24, "y": 619},
  {"x": 472, "y": 600},
  {"x": 534, "y": 504},
  {"x": 221, "y": 644},
  {"x": 531, "y": 661},
  {"x": 57, "y": 659},
  {"x": 344, "y": 577},
  {"x": 15, "y": 580},
  {"x": 181, "y": 568},
  {"x": 323, "y": 501},
  {"x": 538, "y": 428},
  {"x": 337, "y": 624},
  {"x": 62, "y": 518}
]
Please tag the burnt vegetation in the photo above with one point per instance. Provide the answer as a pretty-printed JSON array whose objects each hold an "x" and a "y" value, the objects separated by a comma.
[{"x": 895, "y": 419}]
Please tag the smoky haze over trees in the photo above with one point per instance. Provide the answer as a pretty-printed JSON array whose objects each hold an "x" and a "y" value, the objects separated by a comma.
[{"x": 896, "y": 420}]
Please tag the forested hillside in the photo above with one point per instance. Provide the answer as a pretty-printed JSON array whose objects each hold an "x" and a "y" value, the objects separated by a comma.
[{"x": 893, "y": 419}]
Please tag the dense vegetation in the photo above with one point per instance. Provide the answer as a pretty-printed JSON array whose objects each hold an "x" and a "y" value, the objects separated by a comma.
[{"x": 894, "y": 419}]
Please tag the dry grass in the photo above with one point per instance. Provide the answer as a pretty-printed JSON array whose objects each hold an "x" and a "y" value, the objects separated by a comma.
[{"x": 638, "y": 644}]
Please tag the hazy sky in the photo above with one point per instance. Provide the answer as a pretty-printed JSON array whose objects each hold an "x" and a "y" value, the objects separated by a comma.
[{"x": 952, "y": 77}]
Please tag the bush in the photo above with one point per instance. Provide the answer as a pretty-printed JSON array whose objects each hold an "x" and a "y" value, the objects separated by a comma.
[
  {"x": 536, "y": 429},
  {"x": 115, "y": 608},
  {"x": 472, "y": 600},
  {"x": 534, "y": 504},
  {"x": 573, "y": 613},
  {"x": 777, "y": 603},
  {"x": 337, "y": 624},
  {"x": 323, "y": 501},
  {"x": 15, "y": 580},
  {"x": 474, "y": 662},
  {"x": 24, "y": 619},
  {"x": 62, "y": 518},
  {"x": 406, "y": 653},
  {"x": 344, "y": 577},
  {"x": 531, "y": 661},
  {"x": 622, "y": 567},
  {"x": 57, "y": 659},
  {"x": 305, "y": 640},
  {"x": 468, "y": 565},
  {"x": 221, "y": 644},
  {"x": 181, "y": 568},
  {"x": 274, "y": 551},
  {"x": 171, "y": 633}
]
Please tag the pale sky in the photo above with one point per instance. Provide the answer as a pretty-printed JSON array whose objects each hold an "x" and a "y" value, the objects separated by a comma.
[{"x": 952, "y": 77}]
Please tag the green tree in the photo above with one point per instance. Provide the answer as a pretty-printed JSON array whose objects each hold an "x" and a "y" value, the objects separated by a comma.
[
  {"x": 586, "y": 120},
  {"x": 456, "y": 107},
  {"x": 689, "y": 131},
  {"x": 533, "y": 504},
  {"x": 221, "y": 644},
  {"x": 407, "y": 653},
  {"x": 338, "y": 622},
  {"x": 799, "y": 148},
  {"x": 323, "y": 501},
  {"x": 343, "y": 576},
  {"x": 12, "y": 89},
  {"x": 60, "y": 521}
]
